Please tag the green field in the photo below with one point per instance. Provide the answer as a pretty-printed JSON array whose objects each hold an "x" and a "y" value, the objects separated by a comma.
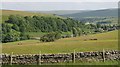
[{"x": 105, "y": 41}]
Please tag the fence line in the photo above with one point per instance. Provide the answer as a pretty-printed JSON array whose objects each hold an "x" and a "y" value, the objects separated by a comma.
[{"x": 58, "y": 58}]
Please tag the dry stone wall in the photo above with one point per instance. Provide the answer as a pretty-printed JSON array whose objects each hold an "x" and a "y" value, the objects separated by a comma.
[{"x": 60, "y": 58}]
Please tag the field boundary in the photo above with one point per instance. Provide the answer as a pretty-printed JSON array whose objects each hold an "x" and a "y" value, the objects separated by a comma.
[{"x": 75, "y": 57}]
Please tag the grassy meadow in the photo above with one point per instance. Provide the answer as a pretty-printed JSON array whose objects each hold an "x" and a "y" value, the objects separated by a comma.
[{"x": 107, "y": 41}]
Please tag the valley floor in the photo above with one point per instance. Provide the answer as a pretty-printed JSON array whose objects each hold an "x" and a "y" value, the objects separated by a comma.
[{"x": 106, "y": 41}]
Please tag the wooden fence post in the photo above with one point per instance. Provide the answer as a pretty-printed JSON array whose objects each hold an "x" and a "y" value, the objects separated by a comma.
[
  {"x": 103, "y": 55},
  {"x": 11, "y": 59},
  {"x": 74, "y": 57},
  {"x": 40, "y": 58}
]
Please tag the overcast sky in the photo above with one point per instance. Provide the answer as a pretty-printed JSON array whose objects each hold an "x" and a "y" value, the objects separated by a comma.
[
  {"x": 59, "y": 0},
  {"x": 48, "y": 6}
]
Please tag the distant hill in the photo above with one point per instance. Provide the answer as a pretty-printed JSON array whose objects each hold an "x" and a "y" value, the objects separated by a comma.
[
  {"x": 95, "y": 13},
  {"x": 61, "y": 12},
  {"x": 92, "y": 16},
  {"x": 24, "y": 13},
  {"x": 105, "y": 15}
]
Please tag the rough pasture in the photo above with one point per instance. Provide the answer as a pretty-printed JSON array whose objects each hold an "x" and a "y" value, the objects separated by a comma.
[{"x": 105, "y": 41}]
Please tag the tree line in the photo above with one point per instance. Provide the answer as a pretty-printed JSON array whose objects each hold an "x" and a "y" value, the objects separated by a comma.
[{"x": 15, "y": 28}]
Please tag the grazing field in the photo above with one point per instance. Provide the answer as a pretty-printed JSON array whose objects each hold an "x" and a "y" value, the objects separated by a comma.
[{"x": 105, "y": 41}]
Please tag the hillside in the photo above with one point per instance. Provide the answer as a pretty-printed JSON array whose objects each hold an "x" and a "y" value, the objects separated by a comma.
[
  {"x": 95, "y": 16},
  {"x": 107, "y": 41},
  {"x": 95, "y": 13},
  {"x": 6, "y": 13},
  {"x": 19, "y": 25},
  {"x": 24, "y": 13}
]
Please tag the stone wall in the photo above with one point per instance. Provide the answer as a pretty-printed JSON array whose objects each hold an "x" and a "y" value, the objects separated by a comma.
[{"x": 62, "y": 57}]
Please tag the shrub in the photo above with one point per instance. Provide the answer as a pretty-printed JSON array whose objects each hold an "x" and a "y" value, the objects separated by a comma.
[{"x": 50, "y": 37}]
